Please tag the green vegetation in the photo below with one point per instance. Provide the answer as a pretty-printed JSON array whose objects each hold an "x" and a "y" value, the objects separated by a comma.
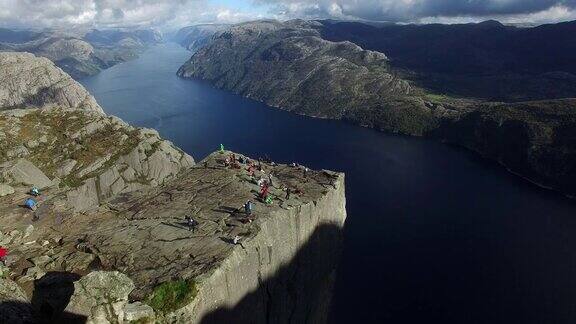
[
  {"x": 434, "y": 97},
  {"x": 172, "y": 295}
]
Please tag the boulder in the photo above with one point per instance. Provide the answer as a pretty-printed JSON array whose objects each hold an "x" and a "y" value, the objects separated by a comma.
[
  {"x": 138, "y": 312},
  {"x": 5, "y": 190},
  {"x": 84, "y": 197},
  {"x": 101, "y": 296},
  {"x": 66, "y": 167},
  {"x": 25, "y": 172}
]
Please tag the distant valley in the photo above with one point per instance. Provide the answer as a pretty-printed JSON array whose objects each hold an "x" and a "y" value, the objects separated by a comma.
[{"x": 81, "y": 53}]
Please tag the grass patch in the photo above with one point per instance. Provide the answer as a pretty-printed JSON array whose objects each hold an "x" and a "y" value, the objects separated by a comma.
[
  {"x": 172, "y": 295},
  {"x": 436, "y": 97}
]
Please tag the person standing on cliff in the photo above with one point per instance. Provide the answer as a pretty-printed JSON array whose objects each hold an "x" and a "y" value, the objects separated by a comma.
[
  {"x": 191, "y": 223},
  {"x": 287, "y": 193},
  {"x": 270, "y": 179},
  {"x": 248, "y": 208}
]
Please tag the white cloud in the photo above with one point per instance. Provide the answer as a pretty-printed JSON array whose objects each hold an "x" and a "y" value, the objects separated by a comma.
[
  {"x": 114, "y": 13},
  {"x": 176, "y": 13},
  {"x": 535, "y": 11}
]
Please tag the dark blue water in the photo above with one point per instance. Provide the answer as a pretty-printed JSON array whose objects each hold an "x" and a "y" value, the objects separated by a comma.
[{"x": 434, "y": 234}]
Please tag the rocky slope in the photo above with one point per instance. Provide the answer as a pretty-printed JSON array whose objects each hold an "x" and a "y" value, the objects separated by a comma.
[
  {"x": 536, "y": 140},
  {"x": 197, "y": 36},
  {"x": 109, "y": 243},
  {"x": 83, "y": 53},
  {"x": 289, "y": 65},
  {"x": 29, "y": 81}
]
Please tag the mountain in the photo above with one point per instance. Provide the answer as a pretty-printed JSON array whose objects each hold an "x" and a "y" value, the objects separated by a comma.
[
  {"x": 108, "y": 239},
  {"x": 289, "y": 65},
  {"x": 33, "y": 82},
  {"x": 487, "y": 60},
  {"x": 292, "y": 66},
  {"x": 81, "y": 53},
  {"x": 195, "y": 37}
]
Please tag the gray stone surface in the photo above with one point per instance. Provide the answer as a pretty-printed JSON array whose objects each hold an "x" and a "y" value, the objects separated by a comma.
[
  {"x": 138, "y": 312},
  {"x": 25, "y": 172},
  {"x": 28, "y": 80},
  {"x": 101, "y": 296},
  {"x": 5, "y": 190}
]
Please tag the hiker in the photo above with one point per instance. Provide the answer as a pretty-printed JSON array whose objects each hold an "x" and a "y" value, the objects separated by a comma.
[
  {"x": 35, "y": 191},
  {"x": 287, "y": 193},
  {"x": 251, "y": 171},
  {"x": 306, "y": 172},
  {"x": 270, "y": 179},
  {"x": 268, "y": 200},
  {"x": 248, "y": 208},
  {"x": 31, "y": 204},
  {"x": 191, "y": 223},
  {"x": 236, "y": 241},
  {"x": 264, "y": 191},
  {"x": 221, "y": 148},
  {"x": 3, "y": 253}
]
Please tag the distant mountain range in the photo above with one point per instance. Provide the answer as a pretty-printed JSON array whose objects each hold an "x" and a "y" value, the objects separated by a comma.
[
  {"x": 81, "y": 53},
  {"x": 487, "y": 60},
  {"x": 195, "y": 37},
  {"x": 440, "y": 81}
]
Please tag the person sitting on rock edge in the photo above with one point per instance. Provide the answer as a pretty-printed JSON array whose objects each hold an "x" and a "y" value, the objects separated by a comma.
[{"x": 236, "y": 241}]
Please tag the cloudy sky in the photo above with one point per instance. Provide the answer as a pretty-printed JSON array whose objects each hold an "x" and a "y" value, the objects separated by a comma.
[{"x": 170, "y": 14}]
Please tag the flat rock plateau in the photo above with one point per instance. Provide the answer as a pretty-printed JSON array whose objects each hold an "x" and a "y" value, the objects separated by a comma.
[{"x": 108, "y": 241}]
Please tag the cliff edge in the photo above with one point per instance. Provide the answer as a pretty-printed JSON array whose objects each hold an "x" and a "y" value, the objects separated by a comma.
[{"x": 107, "y": 240}]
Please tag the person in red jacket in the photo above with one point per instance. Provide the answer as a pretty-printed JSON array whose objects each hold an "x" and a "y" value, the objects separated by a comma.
[{"x": 3, "y": 253}]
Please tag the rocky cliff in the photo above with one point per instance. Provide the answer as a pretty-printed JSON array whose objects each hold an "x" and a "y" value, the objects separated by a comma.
[
  {"x": 83, "y": 53},
  {"x": 291, "y": 66},
  {"x": 288, "y": 65},
  {"x": 169, "y": 273},
  {"x": 109, "y": 242},
  {"x": 29, "y": 81},
  {"x": 197, "y": 36},
  {"x": 536, "y": 140}
]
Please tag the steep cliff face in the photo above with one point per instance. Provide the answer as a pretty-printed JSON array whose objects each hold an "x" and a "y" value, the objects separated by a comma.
[
  {"x": 267, "y": 282},
  {"x": 30, "y": 81},
  {"x": 288, "y": 249},
  {"x": 536, "y": 140},
  {"x": 109, "y": 242},
  {"x": 288, "y": 65}
]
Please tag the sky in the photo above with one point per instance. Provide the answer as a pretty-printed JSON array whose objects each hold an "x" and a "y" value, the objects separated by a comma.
[{"x": 172, "y": 14}]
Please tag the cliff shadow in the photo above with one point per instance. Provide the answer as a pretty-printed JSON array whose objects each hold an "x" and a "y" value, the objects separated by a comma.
[
  {"x": 299, "y": 292},
  {"x": 50, "y": 297}
]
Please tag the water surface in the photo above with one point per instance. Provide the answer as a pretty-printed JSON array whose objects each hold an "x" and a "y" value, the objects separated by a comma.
[{"x": 434, "y": 233}]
